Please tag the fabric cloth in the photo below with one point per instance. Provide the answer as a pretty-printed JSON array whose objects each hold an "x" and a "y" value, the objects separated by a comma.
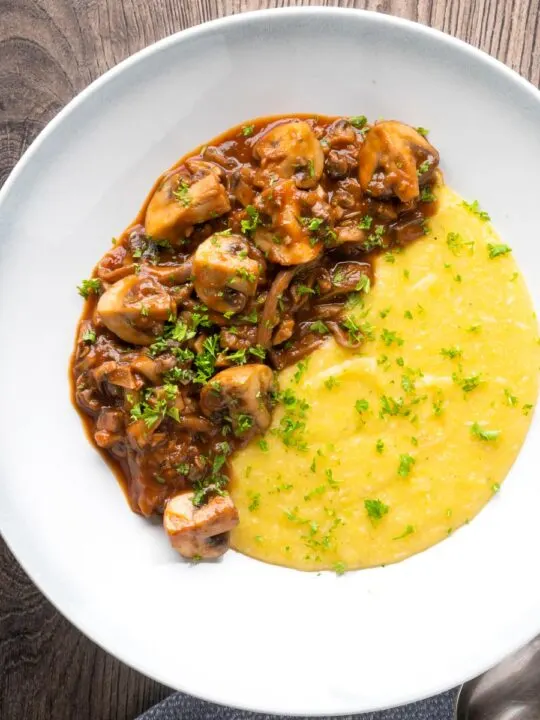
[{"x": 185, "y": 707}]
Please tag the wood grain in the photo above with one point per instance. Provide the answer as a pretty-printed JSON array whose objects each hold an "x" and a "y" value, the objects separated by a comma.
[{"x": 49, "y": 51}]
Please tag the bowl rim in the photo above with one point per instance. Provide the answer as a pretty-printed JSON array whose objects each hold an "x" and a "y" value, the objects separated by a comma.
[{"x": 87, "y": 627}]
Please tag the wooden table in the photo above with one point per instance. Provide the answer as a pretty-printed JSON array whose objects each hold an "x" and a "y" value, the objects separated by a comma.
[{"x": 49, "y": 51}]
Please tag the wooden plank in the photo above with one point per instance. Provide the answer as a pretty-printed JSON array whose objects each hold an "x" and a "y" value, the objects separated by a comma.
[{"x": 49, "y": 50}]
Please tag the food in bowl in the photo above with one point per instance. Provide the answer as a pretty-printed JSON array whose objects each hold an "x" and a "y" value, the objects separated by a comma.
[{"x": 304, "y": 315}]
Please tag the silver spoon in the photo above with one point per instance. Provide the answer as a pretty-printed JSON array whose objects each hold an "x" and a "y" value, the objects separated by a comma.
[{"x": 509, "y": 691}]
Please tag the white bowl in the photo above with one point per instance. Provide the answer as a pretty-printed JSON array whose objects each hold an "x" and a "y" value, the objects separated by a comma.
[{"x": 241, "y": 632}]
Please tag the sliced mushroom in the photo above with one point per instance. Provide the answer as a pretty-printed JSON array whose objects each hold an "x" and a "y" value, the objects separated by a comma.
[
  {"x": 224, "y": 274},
  {"x": 245, "y": 392},
  {"x": 135, "y": 309},
  {"x": 200, "y": 532},
  {"x": 109, "y": 427},
  {"x": 285, "y": 239},
  {"x": 348, "y": 277},
  {"x": 395, "y": 160},
  {"x": 182, "y": 201},
  {"x": 291, "y": 150}
]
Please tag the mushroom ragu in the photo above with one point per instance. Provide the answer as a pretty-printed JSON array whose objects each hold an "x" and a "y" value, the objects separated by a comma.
[{"x": 243, "y": 260}]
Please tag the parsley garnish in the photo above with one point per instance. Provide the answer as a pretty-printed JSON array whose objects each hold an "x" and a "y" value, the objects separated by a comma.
[
  {"x": 358, "y": 121},
  {"x": 475, "y": 209},
  {"x": 452, "y": 352},
  {"x": 498, "y": 250},
  {"x": 248, "y": 130},
  {"x": 406, "y": 463},
  {"x": 486, "y": 435},
  {"x": 408, "y": 531},
  {"x": 365, "y": 223},
  {"x": 89, "y": 287},
  {"x": 89, "y": 337},
  {"x": 376, "y": 509},
  {"x": 361, "y": 406},
  {"x": 182, "y": 193},
  {"x": 319, "y": 327},
  {"x": 253, "y": 220}
]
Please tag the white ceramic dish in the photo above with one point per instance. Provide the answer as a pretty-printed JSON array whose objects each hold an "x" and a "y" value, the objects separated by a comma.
[{"x": 241, "y": 632}]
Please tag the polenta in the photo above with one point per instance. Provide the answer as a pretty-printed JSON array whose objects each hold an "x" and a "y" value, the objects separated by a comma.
[{"x": 376, "y": 454}]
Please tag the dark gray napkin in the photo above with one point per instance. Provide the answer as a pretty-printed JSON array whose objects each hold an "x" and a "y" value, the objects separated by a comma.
[{"x": 185, "y": 707}]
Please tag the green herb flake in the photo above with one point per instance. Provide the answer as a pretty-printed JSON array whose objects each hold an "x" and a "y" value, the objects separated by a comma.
[
  {"x": 255, "y": 502},
  {"x": 331, "y": 382},
  {"x": 182, "y": 194},
  {"x": 89, "y": 287},
  {"x": 495, "y": 251},
  {"x": 250, "y": 224},
  {"x": 376, "y": 509},
  {"x": 89, "y": 337},
  {"x": 340, "y": 568},
  {"x": 475, "y": 209},
  {"x": 365, "y": 223},
  {"x": 452, "y": 352},
  {"x": 248, "y": 130},
  {"x": 483, "y": 434},
  {"x": 358, "y": 121},
  {"x": 409, "y": 530},
  {"x": 406, "y": 463},
  {"x": 379, "y": 446},
  {"x": 361, "y": 406}
]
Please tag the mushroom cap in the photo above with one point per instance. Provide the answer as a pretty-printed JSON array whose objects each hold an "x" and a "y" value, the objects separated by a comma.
[
  {"x": 390, "y": 158},
  {"x": 200, "y": 531},
  {"x": 178, "y": 203},
  {"x": 224, "y": 275},
  {"x": 242, "y": 390},
  {"x": 291, "y": 150},
  {"x": 135, "y": 309}
]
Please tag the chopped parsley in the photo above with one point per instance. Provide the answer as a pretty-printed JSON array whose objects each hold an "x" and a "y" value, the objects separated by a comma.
[
  {"x": 482, "y": 434},
  {"x": 475, "y": 209},
  {"x": 456, "y": 244},
  {"x": 423, "y": 167},
  {"x": 255, "y": 502},
  {"x": 361, "y": 406},
  {"x": 511, "y": 400},
  {"x": 422, "y": 131},
  {"x": 263, "y": 444},
  {"x": 301, "y": 370},
  {"x": 406, "y": 463},
  {"x": 409, "y": 530},
  {"x": 390, "y": 336},
  {"x": 319, "y": 327},
  {"x": 358, "y": 121},
  {"x": 467, "y": 384},
  {"x": 498, "y": 250},
  {"x": 426, "y": 195},
  {"x": 89, "y": 337},
  {"x": 243, "y": 424},
  {"x": 89, "y": 287},
  {"x": 331, "y": 382},
  {"x": 182, "y": 194},
  {"x": 364, "y": 284},
  {"x": 376, "y": 509},
  {"x": 248, "y": 130},
  {"x": 366, "y": 222},
  {"x": 249, "y": 225},
  {"x": 340, "y": 568},
  {"x": 305, "y": 290},
  {"x": 379, "y": 446},
  {"x": 452, "y": 352}
]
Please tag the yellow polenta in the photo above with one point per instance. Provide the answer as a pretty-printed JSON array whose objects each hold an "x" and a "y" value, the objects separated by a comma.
[{"x": 382, "y": 452}]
